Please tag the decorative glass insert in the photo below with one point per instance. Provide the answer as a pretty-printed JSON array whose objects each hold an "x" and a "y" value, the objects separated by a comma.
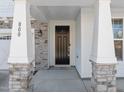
[
  {"x": 117, "y": 25},
  {"x": 119, "y": 49}
]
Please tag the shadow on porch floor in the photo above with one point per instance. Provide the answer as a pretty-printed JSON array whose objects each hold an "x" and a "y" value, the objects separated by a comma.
[{"x": 56, "y": 80}]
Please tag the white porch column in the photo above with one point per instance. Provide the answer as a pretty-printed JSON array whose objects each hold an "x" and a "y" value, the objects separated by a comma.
[
  {"x": 103, "y": 55},
  {"x": 21, "y": 49}
]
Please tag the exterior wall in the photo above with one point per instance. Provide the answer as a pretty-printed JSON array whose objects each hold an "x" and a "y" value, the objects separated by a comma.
[
  {"x": 84, "y": 41},
  {"x": 5, "y": 30},
  {"x": 41, "y": 44},
  {"x": 87, "y": 20},
  {"x": 78, "y": 44},
  {"x": 4, "y": 54},
  {"x": 6, "y": 8}
]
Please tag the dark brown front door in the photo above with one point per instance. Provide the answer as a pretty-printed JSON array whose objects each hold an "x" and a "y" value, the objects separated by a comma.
[{"x": 62, "y": 42}]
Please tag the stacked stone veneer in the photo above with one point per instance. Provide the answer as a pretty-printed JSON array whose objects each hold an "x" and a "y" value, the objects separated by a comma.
[
  {"x": 103, "y": 77},
  {"x": 20, "y": 77},
  {"x": 21, "y": 74},
  {"x": 6, "y": 25},
  {"x": 41, "y": 41},
  {"x": 41, "y": 44}
]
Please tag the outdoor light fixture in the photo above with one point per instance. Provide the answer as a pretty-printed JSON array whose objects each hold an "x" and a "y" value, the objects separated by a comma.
[{"x": 40, "y": 32}]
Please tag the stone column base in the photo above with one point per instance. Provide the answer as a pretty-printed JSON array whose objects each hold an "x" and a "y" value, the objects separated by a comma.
[
  {"x": 103, "y": 77},
  {"x": 20, "y": 76}
]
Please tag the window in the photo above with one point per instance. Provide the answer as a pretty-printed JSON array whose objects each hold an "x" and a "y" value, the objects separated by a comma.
[
  {"x": 117, "y": 28},
  {"x": 117, "y": 25},
  {"x": 118, "y": 49}
]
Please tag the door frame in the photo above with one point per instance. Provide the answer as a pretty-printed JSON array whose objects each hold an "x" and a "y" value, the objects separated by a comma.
[
  {"x": 65, "y": 44},
  {"x": 51, "y": 41}
]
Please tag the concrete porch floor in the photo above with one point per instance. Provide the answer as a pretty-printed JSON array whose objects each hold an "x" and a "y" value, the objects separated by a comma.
[{"x": 56, "y": 80}]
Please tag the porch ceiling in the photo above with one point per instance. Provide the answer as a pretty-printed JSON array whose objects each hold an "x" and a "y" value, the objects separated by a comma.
[
  {"x": 46, "y": 10},
  {"x": 60, "y": 12},
  {"x": 83, "y": 3},
  {"x": 46, "y": 13},
  {"x": 62, "y": 2}
]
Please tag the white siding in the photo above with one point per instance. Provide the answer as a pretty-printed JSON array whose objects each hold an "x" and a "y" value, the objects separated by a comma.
[
  {"x": 4, "y": 53},
  {"x": 6, "y": 8},
  {"x": 4, "y": 49},
  {"x": 84, "y": 30},
  {"x": 78, "y": 43},
  {"x": 84, "y": 35}
]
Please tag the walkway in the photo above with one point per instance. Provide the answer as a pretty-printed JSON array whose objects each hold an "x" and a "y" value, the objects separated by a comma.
[{"x": 56, "y": 80}]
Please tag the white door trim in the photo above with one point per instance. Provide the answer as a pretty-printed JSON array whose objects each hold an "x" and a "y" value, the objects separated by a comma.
[{"x": 51, "y": 41}]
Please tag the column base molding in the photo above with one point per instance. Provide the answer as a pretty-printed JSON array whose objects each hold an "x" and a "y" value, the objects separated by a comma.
[
  {"x": 103, "y": 77},
  {"x": 20, "y": 77},
  {"x": 103, "y": 60}
]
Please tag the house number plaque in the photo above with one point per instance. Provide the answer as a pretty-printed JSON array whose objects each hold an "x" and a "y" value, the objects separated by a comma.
[{"x": 19, "y": 29}]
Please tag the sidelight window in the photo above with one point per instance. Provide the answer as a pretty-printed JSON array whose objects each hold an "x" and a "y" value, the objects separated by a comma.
[{"x": 117, "y": 25}]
